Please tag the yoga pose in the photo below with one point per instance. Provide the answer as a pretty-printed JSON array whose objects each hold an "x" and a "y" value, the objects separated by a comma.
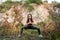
[{"x": 30, "y": 25}]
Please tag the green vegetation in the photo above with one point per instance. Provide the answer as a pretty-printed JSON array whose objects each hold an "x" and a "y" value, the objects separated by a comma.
[
  {"x": 34, "y": 1},
  {"x": 56, "y": 19},
  {"x": 7, "y": 5}
]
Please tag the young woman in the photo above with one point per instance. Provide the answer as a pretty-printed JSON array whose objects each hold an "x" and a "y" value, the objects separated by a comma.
[{"x": 29, "y": 25}]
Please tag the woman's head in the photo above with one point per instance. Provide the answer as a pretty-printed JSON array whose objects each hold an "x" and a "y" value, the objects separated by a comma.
[{"x": 29, "y": 17}]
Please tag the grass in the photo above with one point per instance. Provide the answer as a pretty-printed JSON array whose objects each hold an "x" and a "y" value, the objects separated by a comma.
[{"x": 27, "y": 35}]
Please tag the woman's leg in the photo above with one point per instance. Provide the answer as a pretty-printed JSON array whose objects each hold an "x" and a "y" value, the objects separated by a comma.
[
  {"x": 25, "y": 27},
  {"x": 39, "y": 32},
  {"x": 22, "y": 30},
  {"x": 40, "y": 35}
]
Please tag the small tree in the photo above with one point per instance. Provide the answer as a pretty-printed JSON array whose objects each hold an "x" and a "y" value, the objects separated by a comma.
[{"x": 34, "y": 1}]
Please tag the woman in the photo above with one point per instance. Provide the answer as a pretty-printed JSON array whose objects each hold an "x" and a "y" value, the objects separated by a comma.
[{"x": 29, "y": 25}]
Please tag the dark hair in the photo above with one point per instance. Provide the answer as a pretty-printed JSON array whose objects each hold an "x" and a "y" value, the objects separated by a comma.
[{"x": 28, "y": 18}]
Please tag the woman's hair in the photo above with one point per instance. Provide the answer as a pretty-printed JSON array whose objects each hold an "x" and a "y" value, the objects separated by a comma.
[{"x": 30, "y": 18}]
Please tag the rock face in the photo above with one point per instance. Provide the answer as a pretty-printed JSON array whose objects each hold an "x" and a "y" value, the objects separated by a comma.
[{"x": 17, "y": 14}]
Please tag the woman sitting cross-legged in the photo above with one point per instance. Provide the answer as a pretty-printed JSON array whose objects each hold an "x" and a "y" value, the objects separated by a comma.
[{"x": 29, "y": 25}]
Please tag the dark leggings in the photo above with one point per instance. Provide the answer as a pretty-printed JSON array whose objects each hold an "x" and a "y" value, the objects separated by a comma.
[{"x": 30, "y": 27}]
